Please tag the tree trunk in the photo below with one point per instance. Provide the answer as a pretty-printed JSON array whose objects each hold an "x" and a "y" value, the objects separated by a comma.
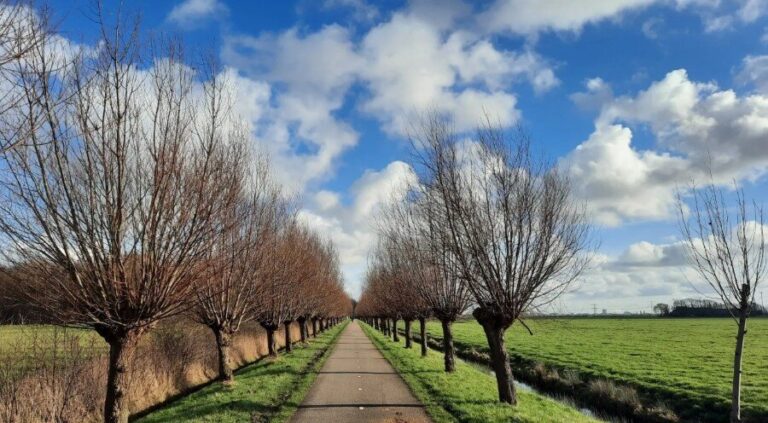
[
  {"x": 386, "y": 327},
  {"x": 395, "y": 336},
  {"x": 407, "y": 334},
  {"x": 448, "y": 351},
  {"x": 224, "y": 343},
  {"x": 737, "y": 359},
  {"x": 423, "y": 335},
  {"x": 494, "y": 333},
  {"x": 121, "y": 349},
  {"x": 314, "y": 328},
  {"x": 288, "y": 341},
  {"x": 271, "y": 346},
  {"x": 303, "y": 329}
]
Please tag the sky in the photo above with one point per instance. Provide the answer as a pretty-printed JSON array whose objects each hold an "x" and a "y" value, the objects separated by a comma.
[{"x": 634, "y": 99}]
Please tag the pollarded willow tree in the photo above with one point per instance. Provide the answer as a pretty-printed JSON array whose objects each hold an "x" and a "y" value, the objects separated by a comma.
[
  {"x": 418, "y": 245},
  {"x": 109, "y": 193},
  {"x": 322, "y": 287},
  {"x": 273, "y": 303},
  {"x": 393, "y": 286},
  {"x": 513, "y": 228},
  {"x": 229, "y": 286},
  {"x": 726, "y": 246}
]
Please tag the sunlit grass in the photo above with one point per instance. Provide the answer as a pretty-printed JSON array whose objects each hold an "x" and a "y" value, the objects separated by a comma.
[
  {"x": 269, "y": 390},
  {"x": 688, "y": 358},
  {"x": 469, "y": 394}
]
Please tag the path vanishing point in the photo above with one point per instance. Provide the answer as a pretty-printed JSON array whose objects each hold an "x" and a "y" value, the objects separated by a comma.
[{"x": 357, "y": 384}]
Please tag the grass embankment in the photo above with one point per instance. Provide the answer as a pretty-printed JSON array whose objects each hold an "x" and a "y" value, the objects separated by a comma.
[
  {"x": 268, "y": 390},
  {"x": 683, "y": 363},
  {"x": 467, "y": 395}
]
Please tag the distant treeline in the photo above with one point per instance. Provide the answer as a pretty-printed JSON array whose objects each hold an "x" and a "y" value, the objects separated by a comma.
[{"x": 696, "y": 307}]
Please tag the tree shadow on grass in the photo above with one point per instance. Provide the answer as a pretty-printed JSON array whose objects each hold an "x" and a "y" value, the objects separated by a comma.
[{"x": 215, "y": 411}]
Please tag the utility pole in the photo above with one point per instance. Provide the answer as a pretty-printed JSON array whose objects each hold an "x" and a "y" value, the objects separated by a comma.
[{"x": 594, "y": 309}]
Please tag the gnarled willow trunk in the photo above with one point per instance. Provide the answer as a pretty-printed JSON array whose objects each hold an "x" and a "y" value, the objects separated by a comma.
[
  {"x": 224, "y": 345},
  {"x": 494, "y": 326},
  {"x": 288, "y": 341},
  {"x": 448, "y": 350},
  {"x": 271, "y": 341},
  {"x": 423, "y": 336},
  {"x": 408, "y": 341},
  {"x": 121, "y": 350},
  {"x": 302, "y": 329},
  {"x": 395, "y": 336}
]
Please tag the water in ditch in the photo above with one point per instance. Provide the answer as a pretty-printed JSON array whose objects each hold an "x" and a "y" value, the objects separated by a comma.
[{"x": 564, "y": 400}]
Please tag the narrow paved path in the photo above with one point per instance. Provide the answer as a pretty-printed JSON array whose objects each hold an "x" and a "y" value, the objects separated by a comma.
[{"x": 357, "y": 384}]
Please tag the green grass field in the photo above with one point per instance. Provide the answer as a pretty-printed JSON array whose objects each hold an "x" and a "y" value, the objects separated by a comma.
[
  {"x": 469, "y": 394},
  {"x": 27, "y": 346},
  {"x": 269, "y": 390},
  {"x": 688, "y": 358}
]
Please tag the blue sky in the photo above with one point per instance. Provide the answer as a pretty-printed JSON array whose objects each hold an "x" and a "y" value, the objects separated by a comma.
[{"x": 630, "y": 96}]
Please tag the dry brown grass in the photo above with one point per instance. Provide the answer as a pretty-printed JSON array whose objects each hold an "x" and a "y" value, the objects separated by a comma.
[{"x": 63, "y": 379}]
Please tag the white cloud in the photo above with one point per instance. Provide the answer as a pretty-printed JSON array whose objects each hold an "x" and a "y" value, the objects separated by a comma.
[
  {"x": 191, "y": 13},
  {"x": 404, "y": 65},
  {"x": 650, "y": 27},
  {"x": 532, "y": 16},
  {"x": 754, "y": 71},
  {"x": 412, "y": 66},
  {"x": 361, "y": 9},
  {"x": 353, "y": 227},
  {"x": 718, "y": 23},
  {"x": 696, "y": 126},
  {"x": 310, "y": 76},
  {"x": 752, "y": 10},
  {"x": 746, "y": 12},
  {"x": 642, "y": 275}
]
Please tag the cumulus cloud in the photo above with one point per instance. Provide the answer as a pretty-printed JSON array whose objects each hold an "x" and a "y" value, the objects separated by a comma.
[
  {"x": 532, "y": 16},
  {"x": 412, "y": 66},
  {"x": 191, "y": 13},
  {"x": 309, "y": 76},
  {"x": 633, "y": 280},
  {"x": 697, "y": 127},
  {"x": 352, "y": 226},
  {"x": 529, "y": 18},
  {"x": 754, "y": 72},
  {"x": 404, "y": 65}
]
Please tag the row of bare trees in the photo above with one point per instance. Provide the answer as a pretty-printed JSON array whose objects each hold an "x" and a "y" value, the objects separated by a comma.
[
  {"x": 488, "y": 226},
  {"x": 130, "y": 194}
]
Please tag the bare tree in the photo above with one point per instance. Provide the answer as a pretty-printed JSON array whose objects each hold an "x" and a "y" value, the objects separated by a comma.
[
  {"x": 228, "y": 291},
  {"x": 321, "y": 287},
  {"x": 24, "y": 34},
  {"x": 515, "y": 232},
  {"x": 727, "y": 249},
  {"x": 110, "y": 195},
  {"x": 271, "y": 308},
  {"x": 437, "y": 273}
]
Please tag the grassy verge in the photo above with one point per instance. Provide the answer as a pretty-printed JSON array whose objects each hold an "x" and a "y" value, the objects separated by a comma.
[
  {"x": 468, "y": 395},
  {"x": 678, "y": 364},
  {"x": 268, "y": 390}
]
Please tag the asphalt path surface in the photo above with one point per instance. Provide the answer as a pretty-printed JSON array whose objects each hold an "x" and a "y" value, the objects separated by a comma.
[{"x": 357, "y": 384}]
